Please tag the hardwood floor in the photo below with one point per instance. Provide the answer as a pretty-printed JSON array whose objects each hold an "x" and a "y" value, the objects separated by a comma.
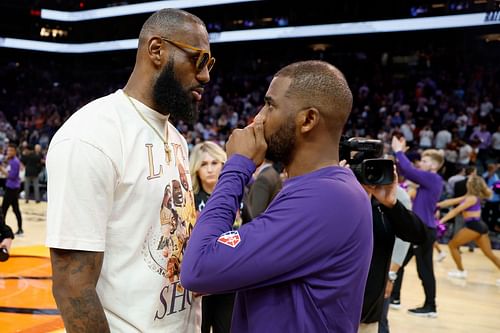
[{"x": 464, "y": 306}]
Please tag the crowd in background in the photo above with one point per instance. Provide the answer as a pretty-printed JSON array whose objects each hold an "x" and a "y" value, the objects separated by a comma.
[{"x": 452, "y": 108}]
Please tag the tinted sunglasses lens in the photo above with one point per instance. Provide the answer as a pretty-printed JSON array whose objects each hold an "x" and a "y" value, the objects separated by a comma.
[
  {"x": 202, "y": 61},
  {"x": 211, "y": 64}
]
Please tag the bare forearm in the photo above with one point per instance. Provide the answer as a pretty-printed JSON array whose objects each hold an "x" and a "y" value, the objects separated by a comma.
[
  {"x": 81, "y": 310},
  {"x": 451, "y": 214},
  {"x": 75, "y": 276},
  {"x": 449, "y": 202}
]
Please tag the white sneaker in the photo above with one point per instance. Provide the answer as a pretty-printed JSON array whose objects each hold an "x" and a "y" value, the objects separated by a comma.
[
  {"x": 458, "y": 274},
  {"x": 441, "y": 255}
]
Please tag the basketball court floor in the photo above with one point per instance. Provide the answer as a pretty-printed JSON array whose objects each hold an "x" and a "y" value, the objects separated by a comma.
[{"x": 27, "y": 305}]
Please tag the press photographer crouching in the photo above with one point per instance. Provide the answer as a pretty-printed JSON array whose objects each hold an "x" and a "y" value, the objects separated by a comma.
[
  {"x": 6, "y": 237},
  {"x": 390, "y": 219}
]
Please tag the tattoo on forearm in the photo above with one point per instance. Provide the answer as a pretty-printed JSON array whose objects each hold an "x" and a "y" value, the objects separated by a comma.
[
  {"x": 84, "y": 313},
  {"x": 75, "y": 275}
]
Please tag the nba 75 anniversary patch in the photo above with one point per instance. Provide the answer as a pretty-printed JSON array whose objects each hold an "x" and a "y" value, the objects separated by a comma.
[{"x": 230, "y": 238}]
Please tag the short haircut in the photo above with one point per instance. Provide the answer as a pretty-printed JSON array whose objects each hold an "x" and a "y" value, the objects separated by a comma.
[
  {"x": 492, "y": 167},
  {"x": 434, "y": 155},
  {"x": 195, "y": 160},
  {"x": 167, "y": 22},
  {"x": 321, "y": 85},
  {"x": 470, "y": 170}
]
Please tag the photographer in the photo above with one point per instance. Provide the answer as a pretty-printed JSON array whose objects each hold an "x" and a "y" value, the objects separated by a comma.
[{"x": 390, "y": 219}]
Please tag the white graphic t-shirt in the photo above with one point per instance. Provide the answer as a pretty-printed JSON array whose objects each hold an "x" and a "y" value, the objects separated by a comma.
[{"x": 113, "y": 188}]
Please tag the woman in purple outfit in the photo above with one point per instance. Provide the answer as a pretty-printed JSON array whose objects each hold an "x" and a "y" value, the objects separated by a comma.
[{"x": 469, "y": 206}]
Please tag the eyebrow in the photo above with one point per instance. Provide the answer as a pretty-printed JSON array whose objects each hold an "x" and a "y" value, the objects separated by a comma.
[{"x": 269, "y": 100}]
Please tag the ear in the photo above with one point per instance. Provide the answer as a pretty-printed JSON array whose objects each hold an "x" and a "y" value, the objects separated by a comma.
[
  {"x": 307, "y": 119},
  {"x": 155, "y": 51}
]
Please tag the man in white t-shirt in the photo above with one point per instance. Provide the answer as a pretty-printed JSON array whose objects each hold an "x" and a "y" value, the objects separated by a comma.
[
  {"x": 495, "y": 144},
  {"x": 443, "y": 137},
  {"x": 120, "y": 205}
]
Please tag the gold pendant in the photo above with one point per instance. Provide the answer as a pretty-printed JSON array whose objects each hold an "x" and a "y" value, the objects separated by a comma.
[{"x": 168, "y": 158}]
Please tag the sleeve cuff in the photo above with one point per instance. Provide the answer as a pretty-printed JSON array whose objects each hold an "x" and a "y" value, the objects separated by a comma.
[{"x": 241, "y": 164}]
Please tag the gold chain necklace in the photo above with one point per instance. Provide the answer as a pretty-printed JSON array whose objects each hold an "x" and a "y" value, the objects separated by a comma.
[{"x": 164, "y": 139}]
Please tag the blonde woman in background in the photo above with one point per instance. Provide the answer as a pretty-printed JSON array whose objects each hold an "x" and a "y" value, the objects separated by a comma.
[
  {"x": 205, "y": 165},
  {"x": 469, "y": 206}
]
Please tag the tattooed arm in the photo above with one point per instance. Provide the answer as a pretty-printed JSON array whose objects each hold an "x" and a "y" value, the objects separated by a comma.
[{"x": 75, "y": 275}]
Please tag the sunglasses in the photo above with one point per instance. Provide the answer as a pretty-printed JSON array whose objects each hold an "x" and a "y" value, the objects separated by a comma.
[{"x": 204, "y": 57}]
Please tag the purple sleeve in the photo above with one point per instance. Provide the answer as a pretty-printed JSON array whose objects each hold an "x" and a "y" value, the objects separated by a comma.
[
  {"x": 288, "y": 241},
  {"x": 488, "y": 139},
  {"x": 14, "y": 170},
  {"x": 415, "y": 175}
]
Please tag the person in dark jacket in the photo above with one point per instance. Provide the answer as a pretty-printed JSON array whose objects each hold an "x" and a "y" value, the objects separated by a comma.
[
  {"x": 265, "y": 187},
  {"x": 33, "y": 163},
  {"x": 390, "y": 219}
]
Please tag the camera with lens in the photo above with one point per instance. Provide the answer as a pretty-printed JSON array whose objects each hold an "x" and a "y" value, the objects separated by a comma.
[{"x": 363, "y": 156}]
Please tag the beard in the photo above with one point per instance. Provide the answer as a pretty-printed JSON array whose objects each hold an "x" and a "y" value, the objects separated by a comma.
[
  {"x": 170, "y": 97},
  {"x": 281, "y": 144}
]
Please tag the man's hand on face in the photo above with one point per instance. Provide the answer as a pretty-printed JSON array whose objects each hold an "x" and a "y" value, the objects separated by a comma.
[{"x": 249, "y": 142}]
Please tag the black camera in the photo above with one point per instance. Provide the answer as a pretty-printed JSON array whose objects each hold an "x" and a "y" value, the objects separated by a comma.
[
  {"x": 363, "y": 155},
  {"x": 4, "y": 254}
]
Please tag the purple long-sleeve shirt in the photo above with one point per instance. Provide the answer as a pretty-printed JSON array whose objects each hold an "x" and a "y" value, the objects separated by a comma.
[
  {"x": 13, "y": 181},
  {"x": 300, "y": 266},
  {"x": 429, "y": 191},
  {"x": 484, "y": 138}
]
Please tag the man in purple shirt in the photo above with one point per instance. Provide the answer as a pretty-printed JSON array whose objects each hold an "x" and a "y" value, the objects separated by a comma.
[
  {"x": 301, "y": 265},
  {"x": 428, "y": 194},
  {"x": 483, "y": 138},
  {"x": 10, "y": 169}
]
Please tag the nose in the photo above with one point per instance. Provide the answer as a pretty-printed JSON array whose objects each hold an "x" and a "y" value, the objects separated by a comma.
[
  {"x": 260, "y": 116},
  {"x": 204, "y": 76}
]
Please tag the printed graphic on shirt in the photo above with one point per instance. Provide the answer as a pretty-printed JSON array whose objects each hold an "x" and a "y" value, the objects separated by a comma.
[
  {"x": 164, "y": 246},
  {"x": 230, "y": 238}
]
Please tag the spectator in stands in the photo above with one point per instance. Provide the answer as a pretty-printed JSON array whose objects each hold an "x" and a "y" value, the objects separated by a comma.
[
  {"x": 483, "y": 137},
  {"x": 33, "y": 164},
  {"x": 443, "y": 138},
  {"x": 491, "y": 210},
  {"x": 426, "y": 137},
  {"x": 465, "y": 153},
  {"x": 495, "y": 145}
]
